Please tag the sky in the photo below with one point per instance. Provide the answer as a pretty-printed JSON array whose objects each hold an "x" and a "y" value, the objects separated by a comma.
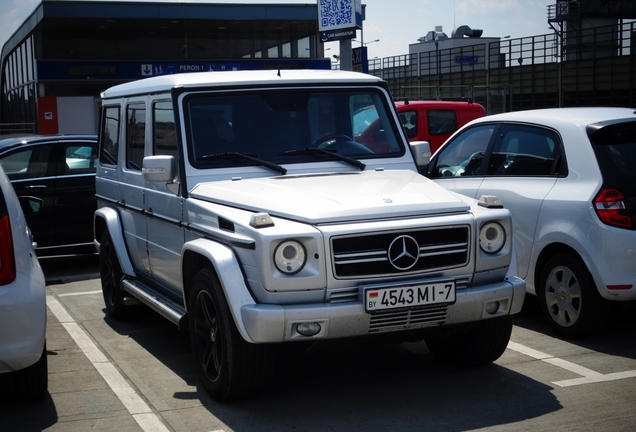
[{"x": 395, "y": 23}]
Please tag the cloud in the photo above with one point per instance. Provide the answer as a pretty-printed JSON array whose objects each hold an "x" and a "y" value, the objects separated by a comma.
[{"x": 12, "y": 14}]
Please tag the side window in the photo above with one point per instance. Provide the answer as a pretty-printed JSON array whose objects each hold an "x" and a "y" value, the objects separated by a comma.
[
  {"x": 164, "y": 131},
  {"x": 109, "y": 136},
  {"x": 80, "y": 158},
  {"x": 464, "y": 155},
  {"x": 135, "y": 135},
  {"x": 409, "y": 121},
  {"x": 524, "y": 151},
  {"x": 27, "y": 163},
  {"x": 441, "y": 122}
]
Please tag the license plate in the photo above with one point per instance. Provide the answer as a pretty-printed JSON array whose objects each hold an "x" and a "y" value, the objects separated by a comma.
[{"x": 409, "y": 297}]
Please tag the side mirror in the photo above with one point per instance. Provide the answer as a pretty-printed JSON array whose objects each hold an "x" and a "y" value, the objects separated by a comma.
[
  {"x": 159, "y": 169},
  {"x": 421, "y": 152}
]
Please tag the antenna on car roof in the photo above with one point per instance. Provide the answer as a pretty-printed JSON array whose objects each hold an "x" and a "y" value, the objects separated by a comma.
[
  {"x": 278, "y": 73},
  {"x": 406, "y": 101}
]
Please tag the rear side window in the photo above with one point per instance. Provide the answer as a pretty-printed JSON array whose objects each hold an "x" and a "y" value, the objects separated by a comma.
[
  {"x": 109, "y": 136},
  {"x": 441, "y": 122},
  {"x": 409, "y": 121},
  {"x": 522, "y": 150},
  {"x": 165, "y": 135},
  {"x": 135, "y": 135},
  {"x": 28, "y": 163},
  {"x": 80, "y": 158}
]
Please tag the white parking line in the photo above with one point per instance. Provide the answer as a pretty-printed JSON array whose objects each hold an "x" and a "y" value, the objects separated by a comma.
[
  {"x": 134, "y": 403},
  {"x": 588, "y": 375},
  {"x": 79, "y": 293}
]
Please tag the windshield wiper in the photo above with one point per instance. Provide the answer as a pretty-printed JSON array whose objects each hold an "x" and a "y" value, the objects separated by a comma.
[
  {"x": 248, "y": 156},
  {"x": 308, "y": 151}
]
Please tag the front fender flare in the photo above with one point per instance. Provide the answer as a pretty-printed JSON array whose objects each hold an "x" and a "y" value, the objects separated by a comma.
[
  {"x": 228, "y": 270},
  {"x": 110, "y": 219}
]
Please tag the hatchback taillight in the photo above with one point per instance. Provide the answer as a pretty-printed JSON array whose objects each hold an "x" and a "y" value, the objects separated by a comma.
[
  {"x": 611, "y": 208},
  {"x": 7, "y": 259}
]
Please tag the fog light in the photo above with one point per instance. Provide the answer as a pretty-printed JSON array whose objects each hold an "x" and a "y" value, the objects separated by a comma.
[
  {"x": 492, "y": 307},
  {"x": 308, "y": 329}
]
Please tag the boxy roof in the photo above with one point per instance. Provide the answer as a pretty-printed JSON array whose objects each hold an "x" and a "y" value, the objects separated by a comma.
[{"x": 165, "y": 83}]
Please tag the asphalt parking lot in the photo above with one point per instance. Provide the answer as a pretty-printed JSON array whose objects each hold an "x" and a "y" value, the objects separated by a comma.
[{"x": 138, "y": 375}]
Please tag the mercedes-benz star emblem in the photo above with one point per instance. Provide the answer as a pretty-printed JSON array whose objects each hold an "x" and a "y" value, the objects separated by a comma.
[{"x": 404, "y": 252}]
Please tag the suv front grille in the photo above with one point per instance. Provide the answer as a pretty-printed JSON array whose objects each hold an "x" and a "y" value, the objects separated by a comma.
[
  {"x": 400, "y": 253},
  {"x": 409, "y": 319}
]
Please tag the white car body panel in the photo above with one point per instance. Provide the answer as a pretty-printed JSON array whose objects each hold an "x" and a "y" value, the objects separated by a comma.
[
  {"x": 23, "y": 301},
  {"x": 553, "y": 210}
]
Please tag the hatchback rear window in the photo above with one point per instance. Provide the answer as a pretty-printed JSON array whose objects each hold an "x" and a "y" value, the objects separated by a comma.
[{"x": 615, "y": 149}]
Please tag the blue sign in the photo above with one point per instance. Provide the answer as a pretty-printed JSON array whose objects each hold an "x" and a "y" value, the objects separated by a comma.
[
  {"x": 466, "y": 59},
  {"x": 156, "y": 69},
  {"x": 131, "y": 70},
  {"x": 334, "y": 35}
]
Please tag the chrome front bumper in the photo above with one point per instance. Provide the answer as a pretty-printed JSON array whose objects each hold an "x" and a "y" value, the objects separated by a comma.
[{"x": 276, "y": 323}]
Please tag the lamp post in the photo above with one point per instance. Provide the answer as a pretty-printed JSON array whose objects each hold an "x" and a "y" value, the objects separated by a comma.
[{"x": 366, "y": 43}]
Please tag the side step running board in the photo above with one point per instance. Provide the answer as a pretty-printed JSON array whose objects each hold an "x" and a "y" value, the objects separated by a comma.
[{"x": 157, "y": 302}]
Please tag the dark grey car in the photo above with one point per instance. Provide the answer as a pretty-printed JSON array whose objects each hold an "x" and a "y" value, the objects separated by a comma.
[{"x": 59, "y": 172}]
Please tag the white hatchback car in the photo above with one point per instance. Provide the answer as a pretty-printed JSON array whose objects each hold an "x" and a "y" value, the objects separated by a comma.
[
  {"x": 567, "y": 176},
  {"x": 22, "y": 301}
]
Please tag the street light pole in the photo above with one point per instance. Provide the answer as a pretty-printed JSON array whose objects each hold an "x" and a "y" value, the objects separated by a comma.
[{"x": 366, "y": 43}]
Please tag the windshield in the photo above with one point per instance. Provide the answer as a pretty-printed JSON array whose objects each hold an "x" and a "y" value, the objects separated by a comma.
[{"x": 273, "y": 125}]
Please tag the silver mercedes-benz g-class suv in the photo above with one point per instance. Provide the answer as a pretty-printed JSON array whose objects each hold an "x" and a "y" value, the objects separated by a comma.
[{"x": 253, "y": 208}]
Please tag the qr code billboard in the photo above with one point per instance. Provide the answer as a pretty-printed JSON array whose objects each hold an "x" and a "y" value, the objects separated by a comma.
[{"x": 339, "y": 14}]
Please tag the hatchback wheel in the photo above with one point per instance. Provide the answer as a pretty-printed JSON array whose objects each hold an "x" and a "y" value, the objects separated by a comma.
[{"x": 569, "y": 299}]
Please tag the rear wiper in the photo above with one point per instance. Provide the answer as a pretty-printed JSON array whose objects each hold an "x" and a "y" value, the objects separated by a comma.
[
  {"x": 248, "y": 156},
  {"x": 308, "y": 151}
]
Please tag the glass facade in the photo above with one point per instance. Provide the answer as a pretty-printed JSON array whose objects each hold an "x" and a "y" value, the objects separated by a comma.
[
  {"x": 80, "y": 49},
  {"x": 179, "y": 40},
  {"x": 19, "y": 90}
]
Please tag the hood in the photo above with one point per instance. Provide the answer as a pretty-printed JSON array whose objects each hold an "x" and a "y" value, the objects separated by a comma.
[{"x": 335, "y": 197}]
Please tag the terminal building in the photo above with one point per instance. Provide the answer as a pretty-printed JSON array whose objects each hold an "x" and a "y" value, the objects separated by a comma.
[{"x": 68, "y": 51}]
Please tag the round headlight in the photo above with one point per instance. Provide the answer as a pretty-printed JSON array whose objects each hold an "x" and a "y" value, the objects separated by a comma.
[
  {"x": 289, "y": 257},
  {"x": 492, "y": 237}
]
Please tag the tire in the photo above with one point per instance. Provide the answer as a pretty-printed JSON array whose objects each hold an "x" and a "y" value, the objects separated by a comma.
[
  {"x": 32, "y": 383},
  {"x": 111, "y": 275},
  {"x": 569, "y": 299},
  {"x": 228, "y": 367},
  {"x": 481, "y": 345}
]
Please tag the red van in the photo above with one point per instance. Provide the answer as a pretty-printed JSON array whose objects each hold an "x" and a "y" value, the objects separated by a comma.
[{"x": 435, "y": 121}]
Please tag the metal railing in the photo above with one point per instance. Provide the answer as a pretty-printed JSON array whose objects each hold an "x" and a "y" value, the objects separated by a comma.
[
  {"x": 13, "y": 129},
  {"x": 591, "y": 67}
]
